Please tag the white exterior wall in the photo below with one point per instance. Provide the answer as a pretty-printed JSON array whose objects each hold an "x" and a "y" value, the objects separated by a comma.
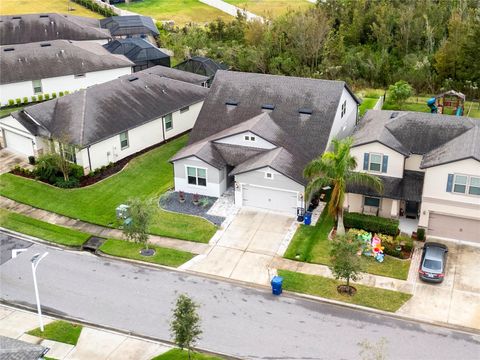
[
  {"x": 9, "y": 123},
  {"x": 239, "y": 139},
  {"x": 139, "y": 138},
  {"x": 279, "y": 181},
  {"x": 413, "y": 163},
  {"x": 395, "y": 159},
  {"x": 389, "y": 208},
  {"x": 343, "y": 127},
  {"x": 216, "y": 179},
  {"x": 60, "y": 83},
  {"x": 436, "y": 198}
]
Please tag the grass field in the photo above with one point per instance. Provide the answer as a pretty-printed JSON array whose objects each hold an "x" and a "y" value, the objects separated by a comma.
[
  {"x": 9, "y": 7},
  {"x": 376, "y": 298},
  {"x": 177, "y": 354},
  {"x": 60, "y": 331},
  {"x": 270, "y": 8},
  {"x": 147, "y": 176},
  {"x": 180, "y": 11}
]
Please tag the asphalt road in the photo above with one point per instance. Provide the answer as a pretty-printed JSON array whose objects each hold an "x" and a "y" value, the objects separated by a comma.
[{"x": 240, "y": 321}]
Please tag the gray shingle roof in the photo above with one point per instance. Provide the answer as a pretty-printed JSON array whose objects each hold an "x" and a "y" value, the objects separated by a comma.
[
  {"x": 48, "y": 59},
  {"x": 22, "y": 29},
  {"x": 103, "y": 110},
  {"x": 137, "y": 50},
  {"x": 440, "y": 138},
  {"x": 177, "y": 74},
  {"x": 129, "y": 25},
  {"x": 201, "y": 65},
  {"x": 12, "y": 349},
  {"x": 407, "y": 188}
]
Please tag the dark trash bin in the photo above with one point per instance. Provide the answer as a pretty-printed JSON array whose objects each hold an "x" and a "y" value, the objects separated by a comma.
[
  {"x": 307, "y": 218},
  {"x": 277, "y": 283}
]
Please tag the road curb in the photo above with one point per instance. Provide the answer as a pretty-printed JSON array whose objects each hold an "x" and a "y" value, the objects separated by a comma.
[{"x": 109, "y": 328}]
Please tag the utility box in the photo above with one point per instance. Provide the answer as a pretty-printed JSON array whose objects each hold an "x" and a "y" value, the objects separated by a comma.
[{"x": 123, "y": 211}]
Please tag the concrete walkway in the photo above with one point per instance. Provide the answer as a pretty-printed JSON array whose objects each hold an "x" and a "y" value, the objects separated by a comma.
[
  {"x": 93, "y": 343},
  {"x": 52, "y": 218},
  {"x": 9, "y": 159},
  {"x": 231, "y": 9}
]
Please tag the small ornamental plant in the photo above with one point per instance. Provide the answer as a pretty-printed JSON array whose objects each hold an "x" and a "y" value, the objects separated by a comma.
[{"x": 181, "y": 196}]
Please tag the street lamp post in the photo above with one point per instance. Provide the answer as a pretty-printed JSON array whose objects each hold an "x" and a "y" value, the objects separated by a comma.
[{"x": 35, "y": 261}]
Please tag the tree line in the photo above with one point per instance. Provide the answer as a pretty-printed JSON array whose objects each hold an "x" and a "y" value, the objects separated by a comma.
[{"x": 431, "y": 44}]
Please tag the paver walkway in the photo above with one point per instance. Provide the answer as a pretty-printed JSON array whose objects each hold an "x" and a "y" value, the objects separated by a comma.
[
  {"x": 93, "y": 343},
  {"x": 52, "y": 218}
]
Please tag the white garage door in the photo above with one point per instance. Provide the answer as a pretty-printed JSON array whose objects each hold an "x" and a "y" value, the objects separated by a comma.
[
  {"x": 270, "y": 199},
  {"x": 454, "y": 227},
  {"x": 18, "y": 143}
]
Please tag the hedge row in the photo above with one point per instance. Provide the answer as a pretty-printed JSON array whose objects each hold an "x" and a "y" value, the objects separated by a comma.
[
  {"x": 92, "y": 5},
  {"x": 371, "y": 223}
]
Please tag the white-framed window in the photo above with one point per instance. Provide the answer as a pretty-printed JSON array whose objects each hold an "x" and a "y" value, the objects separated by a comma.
[
  {"x": 168, "y": 120},
  {"x": 124, "y": 140},
  {"x": 375, "y": 162},
  {"x": 76, "y": 76},
  {"x": 37, "y": 86},
  {"x": 371, "y": 201},
  {"x": 185, "y": 109},
  {"x": 269, "y": 175},
  {"x": 69, "y": 152},
  {"x": 460, "y": 184},
  {"x": 474, "y": 187},
  {"x": 196, "y": 176},
  {"x": 344, "y": 108}
]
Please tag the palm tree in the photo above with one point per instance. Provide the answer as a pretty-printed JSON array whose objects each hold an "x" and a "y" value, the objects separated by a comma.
[{"x": 337, "y": 170}]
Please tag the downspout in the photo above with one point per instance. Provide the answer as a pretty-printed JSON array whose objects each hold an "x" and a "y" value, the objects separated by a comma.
[
  {"x": 163, "y": 128},
  {"x": 89, "y": 160}
]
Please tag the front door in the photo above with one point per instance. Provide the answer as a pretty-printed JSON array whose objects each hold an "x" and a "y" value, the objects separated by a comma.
[
  {"x": 411, "y": 209},
  {"x": 230, "y": 179}
]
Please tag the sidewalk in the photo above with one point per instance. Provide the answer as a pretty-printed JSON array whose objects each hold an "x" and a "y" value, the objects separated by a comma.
[
  {"x": 93, "y": 344},
  {"x": 52, "y": 218},
  {"x": 231, "y": 9}
]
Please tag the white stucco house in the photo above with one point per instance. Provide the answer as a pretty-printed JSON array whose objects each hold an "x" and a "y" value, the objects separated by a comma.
[
  {"x": 107, "y": 122},
  {"x": 36, "y": 69},
  {"x": 430, "y": 167},
  {"x": 257, "y": 132}
]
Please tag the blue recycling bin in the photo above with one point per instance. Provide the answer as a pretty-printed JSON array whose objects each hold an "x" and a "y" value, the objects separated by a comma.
[
  {"x": 307, "y": 218},
  {"x": 277, "y": 283}
]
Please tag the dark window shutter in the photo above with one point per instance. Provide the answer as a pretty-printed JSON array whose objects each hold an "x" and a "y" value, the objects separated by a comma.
[
  {"x": 366, "y": 157},
  {"x": 385, "y": 163},
  {"x": 449, "y": 182}
]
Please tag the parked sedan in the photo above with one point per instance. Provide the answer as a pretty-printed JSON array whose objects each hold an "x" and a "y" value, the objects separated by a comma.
[{"x": 433, "y": 263}]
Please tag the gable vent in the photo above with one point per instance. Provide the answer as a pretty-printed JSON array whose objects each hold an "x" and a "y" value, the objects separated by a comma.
[
  {"x": 16, "y": 17},
  {"x": 9, "y": 49},
  {"x": 231, "y": 102},
  {"x": 43, "y": 16},
  {"x": 270, "y": 107},
  {"x": 393, "y": 115},
  {"x": 133, "y": 79},
  {"x": 305, "y": 111},
  {"x": 45, "y": 45}
]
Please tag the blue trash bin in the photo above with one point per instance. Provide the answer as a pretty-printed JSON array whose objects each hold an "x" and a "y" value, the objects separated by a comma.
[
  {"x": 307, "y": 218},
  {"x": 277, "y": 283}
]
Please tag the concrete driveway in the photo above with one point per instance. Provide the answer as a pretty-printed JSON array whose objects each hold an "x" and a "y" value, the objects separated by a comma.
[
  {"x": 455, "y": 301},
  {"x": 9, "y": 159},
  {"x": 246, "y": 248}
]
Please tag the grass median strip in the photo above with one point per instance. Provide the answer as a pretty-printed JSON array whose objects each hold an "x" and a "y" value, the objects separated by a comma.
[
  {"x": 61, "y": 331},
  {"x": 376, "y": 298},
  {"x": 129, "y": 250},
  {"x": 177, "y": 354},
  {"x": 40, "y": 229}
]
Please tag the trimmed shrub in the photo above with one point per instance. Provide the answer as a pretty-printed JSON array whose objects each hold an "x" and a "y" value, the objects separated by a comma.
[
  {"x": 46, "y": 168},
  {"x": 47, "y": 96},
  {"x": 71, "y": 183},
  {"x": 40, "y": 97},
  {"x": 54, "y": 95},
  {"x": 18, "y": 101},
  {"x": 421, "y": 234},
  {"x": 11, "y": 102},
  {"x": 371, "y": 223},
  {"x": 60, "y": 93},
  {"x": 34, "y": 98},
  {"x": 75, "y": 171},
  {"x": 25, "y": 100},
  {"x": 67, "y": 92},
  {"x": 406, "y": 242}
]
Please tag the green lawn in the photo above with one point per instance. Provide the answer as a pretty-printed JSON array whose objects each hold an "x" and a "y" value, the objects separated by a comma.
[
  {"x": 271, "y": 8},
  {"x": 177, "y": 354},
  {"x": 60, "y": 331},
  {"x": 129, "y": 250},
  {"x": 40, "y": 229},
  {"x": 376, "y": 298},
  {"x": 180, "y": 11},
  {"x": 311, "y": 244},
  {"x": 10, "y": 7},
  {"x": 147, "y": 176},
  {"x": 5, "y": 111},
  {"x": 367, "y": 103}
]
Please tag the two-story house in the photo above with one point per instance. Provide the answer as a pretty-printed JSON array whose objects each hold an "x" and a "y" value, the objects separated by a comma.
[
  {"x": 430, "y": 167},
  {"x": 257, "y": 132}
]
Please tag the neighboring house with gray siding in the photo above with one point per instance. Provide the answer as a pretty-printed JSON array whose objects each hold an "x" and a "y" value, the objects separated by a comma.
[
  {"x": 257, "y": 132},
  {"x": 430, "y": 167}
]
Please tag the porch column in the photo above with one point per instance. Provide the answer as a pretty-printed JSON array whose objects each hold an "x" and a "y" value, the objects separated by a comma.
[{"x": 394, "y": 209}]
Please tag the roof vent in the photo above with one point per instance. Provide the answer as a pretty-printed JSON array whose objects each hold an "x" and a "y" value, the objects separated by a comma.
[
  {"x": 305, "y": 111},
  {"x": 268, "y": 107},
  {"x": 9, "y": 49},
  {"x": 132, "y": 78},
  {"x": 393, "y": 115},
  {"x": 231, "y": 102},
  {"x": 16, "y": 17},
  {"x": 44, "y": 16},
  {"x": 45, "y": 45}
]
